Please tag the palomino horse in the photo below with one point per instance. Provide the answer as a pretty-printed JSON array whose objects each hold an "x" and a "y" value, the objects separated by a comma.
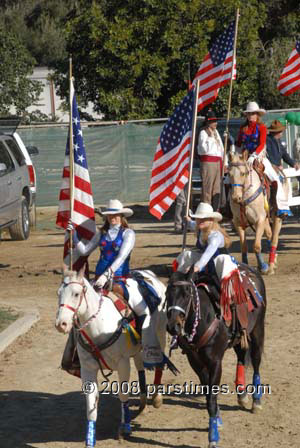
[
  {"x": 98, "y": 321},
  {"x": 247, "y": 202},
  {"x": 204, "y": 337}
]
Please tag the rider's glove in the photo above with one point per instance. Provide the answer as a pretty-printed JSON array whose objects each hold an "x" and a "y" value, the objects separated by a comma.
[
  {"x": 251, "y": 159},
  {"x": 104, "y": 278},
  {"x": 71, "y": 228}
]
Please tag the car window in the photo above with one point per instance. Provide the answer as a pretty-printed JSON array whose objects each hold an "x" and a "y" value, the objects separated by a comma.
[
  {"x": 6, "y": 158},
  {"x": 17, "y": 153}
]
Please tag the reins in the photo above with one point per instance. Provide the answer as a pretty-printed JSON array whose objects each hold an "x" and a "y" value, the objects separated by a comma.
[{"x": 256, "y": 193}]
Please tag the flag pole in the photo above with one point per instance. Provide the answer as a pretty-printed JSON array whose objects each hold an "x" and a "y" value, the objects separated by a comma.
[
  {"x": 71, "y": 158},
  {"x": 229, "y": 102},
  {"x": 194, "y": 123}
]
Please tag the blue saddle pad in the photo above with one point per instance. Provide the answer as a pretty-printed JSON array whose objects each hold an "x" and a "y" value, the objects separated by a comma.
[{"x": 147, "y": 291}]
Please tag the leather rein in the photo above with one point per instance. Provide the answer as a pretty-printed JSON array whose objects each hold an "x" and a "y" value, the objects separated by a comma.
[
  {"x": 212, "y": 328},
  {"x": 80, "y": 328}
]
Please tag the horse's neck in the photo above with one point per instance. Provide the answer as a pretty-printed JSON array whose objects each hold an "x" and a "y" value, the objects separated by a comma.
[
  {"x": 107, "y": 317},
  {"x": 252, "y": 181}
]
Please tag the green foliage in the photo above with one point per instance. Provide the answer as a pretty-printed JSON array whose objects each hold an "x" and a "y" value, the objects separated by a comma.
[{"x": 16, "y": 64}]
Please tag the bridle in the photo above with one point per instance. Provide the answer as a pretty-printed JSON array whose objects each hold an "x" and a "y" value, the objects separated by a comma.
[
  {"x": 76, "y": 321},
  {"x": 249, "y": 171},
  {"x": 185, "y": 312}
]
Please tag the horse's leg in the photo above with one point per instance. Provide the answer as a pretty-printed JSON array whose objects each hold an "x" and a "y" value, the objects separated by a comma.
[
  {"x": 90, "y": 387},
  {"x": 275, "y": 237},
  {"x": 243, "y": 243},
  {"x": 159, "y": 320},
  {"x": 260, "y": 227},
  {"x": 123, "y": 375},
  {"x": 138, "y": 361},
  {"x": 268, "y": 233},
  {"x": 215, "y": 372},
  {"x": 204, "y": 380},
  {"x": 240, "y": 382},
  {"x": 256, "y": 349}
]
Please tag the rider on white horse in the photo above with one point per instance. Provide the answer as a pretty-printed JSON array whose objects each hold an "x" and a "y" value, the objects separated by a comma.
[{"x": 116, "y": 242}]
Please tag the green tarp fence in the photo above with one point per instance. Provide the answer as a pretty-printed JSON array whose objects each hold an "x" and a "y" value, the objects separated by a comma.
[{"x": 119, "y": 158}]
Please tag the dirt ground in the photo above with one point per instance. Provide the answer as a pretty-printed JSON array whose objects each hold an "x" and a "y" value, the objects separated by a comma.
[{"x": 42, "y": 406}]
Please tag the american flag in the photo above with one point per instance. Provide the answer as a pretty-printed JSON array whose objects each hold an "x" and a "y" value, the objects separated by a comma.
[
  {"x": 83, "y": 216},
  {"x": 289, "y": 80},
  {"x": 215, "y": 70},
  {"x": 171, "y": 161}
]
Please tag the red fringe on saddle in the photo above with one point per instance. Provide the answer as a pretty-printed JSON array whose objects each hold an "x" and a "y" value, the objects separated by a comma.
[{"x": 232, "y": 291}]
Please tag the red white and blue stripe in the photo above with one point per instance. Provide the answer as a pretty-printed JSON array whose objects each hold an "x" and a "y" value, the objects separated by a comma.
[
  {"x": 215, "y": 70},
  {"x": 289, "y": 81},
  {"x": 170, "y": 169},
  {"x": 83, "y": 215}
]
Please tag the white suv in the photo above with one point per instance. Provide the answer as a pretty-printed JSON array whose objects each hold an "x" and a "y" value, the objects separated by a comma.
[{"x": 17, "y": 183}]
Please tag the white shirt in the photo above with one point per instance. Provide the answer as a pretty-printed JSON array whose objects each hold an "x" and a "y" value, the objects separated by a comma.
[{"x": 209, "y": 145}]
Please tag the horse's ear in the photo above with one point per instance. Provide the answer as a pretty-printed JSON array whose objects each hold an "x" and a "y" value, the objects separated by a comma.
[
  {"x": 245, "y": 155},
  {"x": 81, "y": 272},
  {"x": 230, "y": 156}
]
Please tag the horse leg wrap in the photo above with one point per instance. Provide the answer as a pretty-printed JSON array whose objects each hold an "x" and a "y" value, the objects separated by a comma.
[
  {"x": 256, "y": 383},
  {"x": 272, "y": 254},
  {"x": 240, "y": 378},
  {"x": 158, "y": 375},
  {"x": 219, "y": 418},
  {"x": 126, "y": 418},
  {"x": 245, "y": 257},
  {"x": 260, "y": 260},
  {"x": 213, "y": 434},
  {"x": 142, "y": 381},
  {"x": 90, "y": 440}
]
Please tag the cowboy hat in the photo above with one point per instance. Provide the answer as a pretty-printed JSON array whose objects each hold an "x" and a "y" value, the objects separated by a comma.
[
  {"x": 210, "y": 117},
  {"x": 276, "y": 126},
  {"x": 252, "y": 106},
  {"x": 205, "y": 210},
  {"x": 115, "y": 207}
]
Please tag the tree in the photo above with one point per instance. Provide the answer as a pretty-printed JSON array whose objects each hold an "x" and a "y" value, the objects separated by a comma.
[
  {"x": 130, "y": 57},
  {"x": 16, "y": 64}
]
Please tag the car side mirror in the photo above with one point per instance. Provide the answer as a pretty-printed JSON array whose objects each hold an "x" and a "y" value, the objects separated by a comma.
[
  {"x": 3, "y": 167},
  {"x": 32, "y": 150}
]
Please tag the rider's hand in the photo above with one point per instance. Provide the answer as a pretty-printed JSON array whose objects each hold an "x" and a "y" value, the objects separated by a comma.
[
  {"x": 251, "y": 159},
  {"x": 101, "y": 281},
  {"x": 297, "y": 166},
  {"x": 70, "y": 226},
  {"x": 196, "y": 269}
]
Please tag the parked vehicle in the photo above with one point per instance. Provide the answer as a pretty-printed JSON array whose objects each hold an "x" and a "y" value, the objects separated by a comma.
[{"x": 17, "y": 182}]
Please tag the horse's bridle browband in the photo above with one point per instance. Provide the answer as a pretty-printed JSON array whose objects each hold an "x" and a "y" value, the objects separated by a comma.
[
  {"x": 76, "y": 321},
  {"x": 177, "y": 307}
]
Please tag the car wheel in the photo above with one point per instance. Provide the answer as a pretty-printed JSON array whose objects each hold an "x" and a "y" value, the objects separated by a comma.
[
  {"x": 32, "y": 216},
  {"x": 21, "y": 229}
]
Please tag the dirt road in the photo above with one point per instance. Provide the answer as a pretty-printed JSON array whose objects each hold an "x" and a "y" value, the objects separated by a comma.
[{"x": 42, "y": 406}]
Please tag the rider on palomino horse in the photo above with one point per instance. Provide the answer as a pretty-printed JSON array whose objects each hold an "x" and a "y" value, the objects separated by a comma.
[
  {"x": 253, "y": 138},
  {"x": 212, "y": 258},
  {"x": 116, "y": 242}
]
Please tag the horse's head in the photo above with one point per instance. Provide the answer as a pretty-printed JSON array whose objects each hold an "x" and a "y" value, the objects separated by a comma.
[
  {"x": 71, "y": 295},
  {"x": 179, "y": 296},
  {"x": 238, "y": 172}
]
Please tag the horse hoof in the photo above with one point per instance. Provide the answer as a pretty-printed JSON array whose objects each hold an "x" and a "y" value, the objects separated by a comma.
[
  {"x": 271, "y": 271},
  {"x": 157, "y": 400},
  {"x": 124, "y": 431},
  {"x": 243, "y": 400},
  {"x": 213, "y": 445},
  {"x": 256, "y": 407}
]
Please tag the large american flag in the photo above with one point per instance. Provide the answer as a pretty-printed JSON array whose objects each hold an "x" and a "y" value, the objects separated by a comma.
[
  {"x": 83, "y": 216},
  {"x": 215, "y": 70},
  {"x": 289, "y": 80},
  {"x": 171, "y": 161}
]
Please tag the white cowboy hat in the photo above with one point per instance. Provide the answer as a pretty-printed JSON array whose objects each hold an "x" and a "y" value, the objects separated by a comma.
[
  {"x": 252, "y": 106},
  {"x": 205, "y": 210},
  {"x": 115, "y": 207}
]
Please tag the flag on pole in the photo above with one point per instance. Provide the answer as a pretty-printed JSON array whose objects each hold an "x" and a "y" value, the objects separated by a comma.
[
  {"x": 289, "y": 80},
  {"x": 215, "y": 70},
  {"x": 83, "y": 205},
  {"x": 171, "y": 160}
]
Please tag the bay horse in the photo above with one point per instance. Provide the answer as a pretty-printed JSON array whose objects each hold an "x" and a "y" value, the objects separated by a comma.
[
  {"x": 248, "y": 206},
  {"x": 98, "y": 321},
  {"x": 204, "y": 337}
]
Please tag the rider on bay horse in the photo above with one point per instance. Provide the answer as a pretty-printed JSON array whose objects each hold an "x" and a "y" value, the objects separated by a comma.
[{"x": 116, "y": 242}]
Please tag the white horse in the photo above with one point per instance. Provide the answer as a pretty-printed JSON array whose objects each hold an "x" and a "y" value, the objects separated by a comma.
[{"x": 98, "y": 320}]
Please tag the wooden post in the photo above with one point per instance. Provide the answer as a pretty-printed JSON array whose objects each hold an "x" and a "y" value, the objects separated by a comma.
[
  {"x": 195, "y": 109},
  {"x": 229, "y": 103},
  {"x": 71, "y": 159}
]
